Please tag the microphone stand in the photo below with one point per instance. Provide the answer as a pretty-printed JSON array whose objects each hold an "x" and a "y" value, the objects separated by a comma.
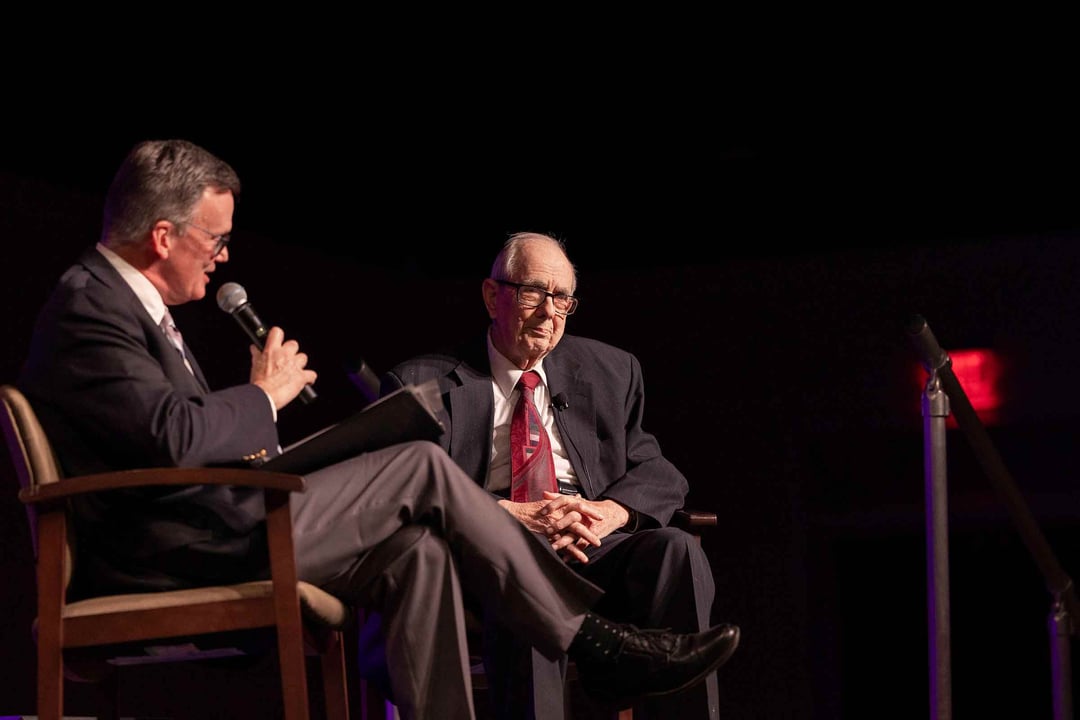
[
  {"x": 935, "y": 409},
  {"x": 1064, "y": 602}
]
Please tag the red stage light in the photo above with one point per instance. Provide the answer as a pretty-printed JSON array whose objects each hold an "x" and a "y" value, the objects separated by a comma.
[{"x": 980, "y": 373}]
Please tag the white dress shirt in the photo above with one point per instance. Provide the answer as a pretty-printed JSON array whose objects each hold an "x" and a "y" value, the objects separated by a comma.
[{"x": 504, "y": 380}]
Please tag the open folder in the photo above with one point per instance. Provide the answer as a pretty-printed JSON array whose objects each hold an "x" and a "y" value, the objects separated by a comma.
[{"x": 408, "y": 413}]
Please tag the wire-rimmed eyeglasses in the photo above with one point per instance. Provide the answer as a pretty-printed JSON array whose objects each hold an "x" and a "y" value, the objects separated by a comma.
[
  {"x": 532, "y": 296},
  {"x": 220, "y": 241}
]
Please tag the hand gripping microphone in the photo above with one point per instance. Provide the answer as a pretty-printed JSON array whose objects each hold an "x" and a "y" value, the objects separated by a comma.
[{"x": 233, "y": 299}]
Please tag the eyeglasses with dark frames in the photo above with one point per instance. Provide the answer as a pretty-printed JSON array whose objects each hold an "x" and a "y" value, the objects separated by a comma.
[
  {"x": 220, "y": 241},
  {"x": 532, "y": 296}
]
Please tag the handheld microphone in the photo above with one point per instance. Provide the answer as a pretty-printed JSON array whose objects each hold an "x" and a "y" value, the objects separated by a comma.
[
  {"x": 233, "y": 299},
  {"x": 559, "y": 402}
]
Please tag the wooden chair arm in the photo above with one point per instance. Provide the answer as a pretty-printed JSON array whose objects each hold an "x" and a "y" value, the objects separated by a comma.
[
  {"x": 693, "y": 521},
  {"x": 71, "y": 486}
]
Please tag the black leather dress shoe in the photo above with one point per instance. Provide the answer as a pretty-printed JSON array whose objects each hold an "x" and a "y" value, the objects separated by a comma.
[{"x": 657, "y": 662}]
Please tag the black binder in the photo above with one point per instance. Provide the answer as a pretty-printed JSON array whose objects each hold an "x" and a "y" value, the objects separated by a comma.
[{"x": 408, "y": 413}]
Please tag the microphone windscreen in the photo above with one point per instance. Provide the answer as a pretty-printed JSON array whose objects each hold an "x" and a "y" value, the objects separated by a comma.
[{"x": 231, "y": 296}]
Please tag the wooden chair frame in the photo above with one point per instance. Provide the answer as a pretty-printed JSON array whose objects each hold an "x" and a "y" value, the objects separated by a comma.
[{"x": 304, "y": 618}]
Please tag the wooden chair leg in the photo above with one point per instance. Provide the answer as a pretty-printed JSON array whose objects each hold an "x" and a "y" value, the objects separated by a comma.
[
  {"x": 50, "y": 699},
  {"x": 335, "y": 687},
  {"x": 292, "y": 661}
]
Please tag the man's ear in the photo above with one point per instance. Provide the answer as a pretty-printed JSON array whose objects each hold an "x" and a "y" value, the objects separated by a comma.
[
  {"x": 489, "y": 290},
  {"x": 162, "y": 237}
]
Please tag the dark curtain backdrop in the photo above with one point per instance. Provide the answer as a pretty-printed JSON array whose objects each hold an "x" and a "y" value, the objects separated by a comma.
[{"x": 763, "y": 279}]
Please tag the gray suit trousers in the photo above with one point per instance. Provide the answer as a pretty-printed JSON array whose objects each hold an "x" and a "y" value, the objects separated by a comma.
[{"x": 469, "y": 544}]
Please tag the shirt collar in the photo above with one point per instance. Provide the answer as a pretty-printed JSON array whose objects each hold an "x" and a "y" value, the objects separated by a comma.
[
  {"x": 146, "y": 292},
  {"x": 505, "y": 373}
]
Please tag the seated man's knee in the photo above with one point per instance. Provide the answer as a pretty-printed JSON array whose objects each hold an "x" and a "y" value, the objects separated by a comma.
[
  {"x": 426, "y": 547},
  {"x": 676, "y": 540}
]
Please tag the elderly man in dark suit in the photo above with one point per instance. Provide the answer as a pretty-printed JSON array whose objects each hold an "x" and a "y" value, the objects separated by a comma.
[
  {"x": 115, "y": 387},
  {"x": 616, "y": 491}
]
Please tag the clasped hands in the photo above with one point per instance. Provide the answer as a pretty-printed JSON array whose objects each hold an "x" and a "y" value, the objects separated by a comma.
[{"x": 570, "y": 522}]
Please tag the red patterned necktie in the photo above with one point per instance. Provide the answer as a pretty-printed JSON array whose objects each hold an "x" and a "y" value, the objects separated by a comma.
[{"x": 532, "y": 469}]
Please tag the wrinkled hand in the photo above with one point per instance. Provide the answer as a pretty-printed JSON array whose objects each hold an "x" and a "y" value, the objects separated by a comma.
[
  {"x": 280, "y": 368},
  {"x": 570, "y": 522},
  {"x": 607, "y": 516}
]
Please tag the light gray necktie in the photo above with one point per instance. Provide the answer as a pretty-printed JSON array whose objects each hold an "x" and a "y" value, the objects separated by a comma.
[{"x": 175, "y": 337}]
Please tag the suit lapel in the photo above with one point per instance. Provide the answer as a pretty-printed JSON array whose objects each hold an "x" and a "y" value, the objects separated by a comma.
[
  {"x": 196, "y": 370},
  {"x": 577, "y": 422},
  {"x": 96, "y": 263},
  {"x": 471, "y": 406}
]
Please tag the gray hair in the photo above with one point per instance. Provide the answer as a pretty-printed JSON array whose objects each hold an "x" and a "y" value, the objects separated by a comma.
[
  {"x": 508, "y": 261},
  {"x": 160, "y": 180}
]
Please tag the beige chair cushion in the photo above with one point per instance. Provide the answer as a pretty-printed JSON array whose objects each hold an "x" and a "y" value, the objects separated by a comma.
[{"x": 316, "y": 604}]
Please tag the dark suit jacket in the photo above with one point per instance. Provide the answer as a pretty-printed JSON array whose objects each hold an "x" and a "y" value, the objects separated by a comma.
[
  {"x": 600, "y": 425},
  {"x": 113, "y": 393}
]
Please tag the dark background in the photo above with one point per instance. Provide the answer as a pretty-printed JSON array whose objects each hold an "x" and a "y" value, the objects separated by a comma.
[{"x": 761, "y": 257}]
